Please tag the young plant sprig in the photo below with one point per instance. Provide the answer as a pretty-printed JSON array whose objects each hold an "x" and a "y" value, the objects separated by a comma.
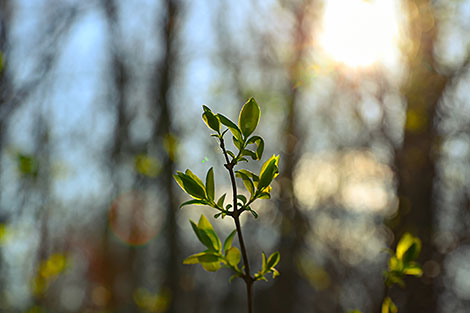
[
  {"x": 258, "y": 186},
  {"x": 401, "y": 263}
]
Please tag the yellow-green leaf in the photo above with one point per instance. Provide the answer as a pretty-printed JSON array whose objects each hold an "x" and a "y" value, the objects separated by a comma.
[
  {"x": 233, "y": 256},
  {"x": 249, "y": 117}
]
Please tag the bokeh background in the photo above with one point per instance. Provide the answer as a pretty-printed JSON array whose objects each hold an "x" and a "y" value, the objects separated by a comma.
[{"x": 367, "y": 102}]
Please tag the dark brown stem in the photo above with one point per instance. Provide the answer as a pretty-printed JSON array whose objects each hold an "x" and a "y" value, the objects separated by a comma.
[{"x": 236, "y": 217}]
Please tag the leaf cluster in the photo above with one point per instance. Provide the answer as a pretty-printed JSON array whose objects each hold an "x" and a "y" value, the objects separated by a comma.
[
  {"x": 258, "y": 186},
  {"x": 402, "y": 262},
  {"x": 216, "y": 255}
]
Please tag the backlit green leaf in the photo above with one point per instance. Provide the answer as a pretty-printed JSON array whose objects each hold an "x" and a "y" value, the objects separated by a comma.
[
  {"x": 388, "y": 306},
  {"x": 413, "y": 269},
  {"x": 408, "y": 248},
  {"x": 249, "y": 117},
  {"x": 268, "y": 172},
  {"x": 210, "y": 187},
  {"x": 228, "y": 240},
  {"x": 194, "y": 202},
  {"x": 259, "y": 145},
  {"x": 190, "y": 186},
  {"x": 220, "y": 202},
  {"x": 233, "y": 256},
  {"x": 273, "y": 260},
  {"x": 202, "y": 236},
  {"x": 246, "y": 181},
  {"x": 206, "y": 227},
  {"x": 210, "y": 119},
  {"x": 238, "y": 144},
  {"x": 231, "y": 125}
]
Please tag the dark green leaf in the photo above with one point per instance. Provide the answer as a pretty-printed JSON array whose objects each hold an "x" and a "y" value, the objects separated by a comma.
[
  {"x": 249, "y": 153},
  {"x": 254, "y": 213},
  {"x": 217, "y": 215},
  {"x": 210, "y": 187},
  {"x": 195, "y": 201},
  {"x": 228, "y": 240},
  {"x": 242, "y": 198},
  {"x": 246, "y": 181},
  {"x": 220, "y": 202},
  {"x": 273, "y": 260},
  {"x": 231, "y": 125},
  {"x": 249, "y": 117}
]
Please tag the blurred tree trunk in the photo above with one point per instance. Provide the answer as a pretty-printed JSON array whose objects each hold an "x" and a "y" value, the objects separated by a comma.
[
  {"x": 5, "y": 109},
  {"x": 164, "y": 137},
  {"x": 294, "y": 225},
  {"x": 415, "y": 160}
]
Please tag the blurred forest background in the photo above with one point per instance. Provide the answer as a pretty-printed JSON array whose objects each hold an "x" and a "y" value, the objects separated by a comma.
[{"x": 100, "y": 103}]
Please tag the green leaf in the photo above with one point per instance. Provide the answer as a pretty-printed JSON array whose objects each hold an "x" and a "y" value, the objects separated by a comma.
[
  {"x": 249, "y": 117},
  {"x": 202, "y": 257},
  {"x": 268, "y": 172},
  {"x": 259, "y": 145},
  {"x": 273, "y": 260},
  {"x": 413, "y": 269},
  {"x": 264, "y": 266},
  {"x": 231, "y": 125},
  {"x": 242, "y": 198},
  {"x": 250, "y": 154},
  {"x": 354, "y": 311},
  {"x": 234, "y": 276},
  {"x": 196, "y": 179},
  {"x": 388, "y": 306},
  {"x": 395, "y": 264},
  {"x": 246, "y": 181},
  {"x": 206, "y": 227},
  {"x": 231, "y": 154},
  {"x": 210, "y": 119},
  {"x": 251, "y": 175},
  {"x": 220, "y": 202},
  {"x": 253, "y": 212},
  {"x": 195, "y": 201},
  {"x": 275, "y": 273},
  {"x": 408, "y": 248},
  {"x": 264, "y": 195},
  {"x": 233, "y": 256},
  {"x": 190, "y": 186},
  {"x": 237, "y": 143},
  {"x": 28, "y": 165},
  {"x": 210, "y": 187},
  {"x": 228, "y": 240},
  {"x": 202, "y": 236}
]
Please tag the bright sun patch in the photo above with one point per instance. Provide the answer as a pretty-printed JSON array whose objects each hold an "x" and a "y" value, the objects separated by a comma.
[{"x": 360, "y": 33}]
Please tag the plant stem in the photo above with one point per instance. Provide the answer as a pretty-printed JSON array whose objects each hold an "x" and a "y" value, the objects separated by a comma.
[{"x": 236, "y": 217}]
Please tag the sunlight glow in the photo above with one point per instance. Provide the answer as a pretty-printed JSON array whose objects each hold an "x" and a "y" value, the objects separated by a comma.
[{"x": 360, "y": 33}]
